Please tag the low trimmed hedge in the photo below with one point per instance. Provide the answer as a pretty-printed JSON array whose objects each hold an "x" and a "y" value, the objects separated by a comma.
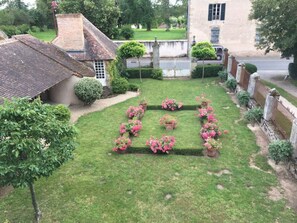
[
  {"x": 145, "y": 73},
  {"x": 210, "y": 70},
  {"x": 251, "y": 68}
]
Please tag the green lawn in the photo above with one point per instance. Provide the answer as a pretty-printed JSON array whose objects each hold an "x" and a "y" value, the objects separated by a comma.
[
  {"x": 140, "y": 34},
  {"x": 46, "y": 36},
  {"x": 101, "y": 186},
  {"x": 291, "y": 98},
  {"x": 161, "y": 34}
]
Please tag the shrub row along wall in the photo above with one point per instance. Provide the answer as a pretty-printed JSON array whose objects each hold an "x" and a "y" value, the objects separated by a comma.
[
  {"x": 145, "y": 73},
  {"x": 280, "y": 115},
  {"x": 210, "y": 70}
]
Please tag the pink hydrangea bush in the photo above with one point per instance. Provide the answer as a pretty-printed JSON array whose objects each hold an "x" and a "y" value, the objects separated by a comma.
[
  {"x": 135, "y": 112},
  {"x": 122, "y": 143},
  {"x": 164, "y": 145},
  {"x": 133, "y": 127},
  {"x": 210, "y": 130},
  {"x": 206, "y": 114},
  {"x": 171, "y": 105}
]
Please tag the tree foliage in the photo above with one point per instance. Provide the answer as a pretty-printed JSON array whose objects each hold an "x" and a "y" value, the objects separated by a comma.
[
  {"x": 131, "y": 49},
  {"x": 277, "y": 20},
  {"x": 33, "y": 142},
  {"x": 104, "y": 14},
  {"x": 137, "y": 12},
  {"x": 203, "y": 51}
]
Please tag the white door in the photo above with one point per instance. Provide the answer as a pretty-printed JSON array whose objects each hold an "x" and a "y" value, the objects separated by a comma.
[{"x": 99, "y": 68}]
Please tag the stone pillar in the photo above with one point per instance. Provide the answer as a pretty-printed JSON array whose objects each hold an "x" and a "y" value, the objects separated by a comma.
[
  {"x": 156, "y": 54},
  {"x": 270, "y": 105},
  {"x": 238, "y": 72},
  {"x": 252, "y": 84},
  {"x": 225, "y": 57},
  {"x": 230, "y": 60},
  {"x": 293, "y": 137}
]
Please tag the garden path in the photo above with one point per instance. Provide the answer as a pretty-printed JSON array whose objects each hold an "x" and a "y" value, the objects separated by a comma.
[{"x": 80, "y": 110}]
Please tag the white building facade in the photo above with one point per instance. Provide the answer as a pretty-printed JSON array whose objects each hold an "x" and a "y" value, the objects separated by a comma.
[{"x": 224, "y": 22}]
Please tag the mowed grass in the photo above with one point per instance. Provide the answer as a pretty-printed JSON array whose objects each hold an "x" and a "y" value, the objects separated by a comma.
[
  {"x": 101, "y": 186},
  {"x": 187, "y": 125},
  {"x": 46, "y": 36},
  {"x": 139, "y": 34},
  {"x": 161, "y": 34}
]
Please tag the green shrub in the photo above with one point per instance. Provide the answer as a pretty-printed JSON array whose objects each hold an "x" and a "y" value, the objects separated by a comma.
[
  {"x": 280, "y": 150},
  {"x": 88, "y": 90},
  {"x": 35, "y": 29},
  {"x": 133, "y": 87},
  {"x": 62, "y": 112},
  {"x": 243, "y": 97},
  {"x": 251, "y": 68},
  {"x": 223, "y": 75},
  {"x": 145, "y": 72},
  {"x": 9, "y": 30},
  {"x": 254, "y": 115},
  {"x": 293, "y": 70},
  {"x": 24, "y": 28},
  {"x": 127, "y": 32},
  {"x": 119, "y": 85},
  {"x": 210, "y": 70},
  {"x": 231, "y": 84},
  {"x": 157, "y": 74}
]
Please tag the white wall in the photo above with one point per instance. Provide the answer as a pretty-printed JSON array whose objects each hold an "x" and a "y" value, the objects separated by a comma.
[
  {"x": 63, "y": 92},
  {"x": 237, "y": 32},
  {"x": 168, "y": 48}
]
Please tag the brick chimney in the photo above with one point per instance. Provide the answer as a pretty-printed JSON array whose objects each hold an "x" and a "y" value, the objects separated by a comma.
[{"x": 70, "y": 32}]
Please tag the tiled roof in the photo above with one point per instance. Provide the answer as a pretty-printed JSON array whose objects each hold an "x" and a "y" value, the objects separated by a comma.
[
  {"x": 29, "y": 67},
  {"x": 97, "y": 46}
]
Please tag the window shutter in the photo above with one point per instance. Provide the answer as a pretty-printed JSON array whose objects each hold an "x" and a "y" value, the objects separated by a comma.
[
  {"x": 210, "y": 12},
  {"x": 223, "y": 9}
]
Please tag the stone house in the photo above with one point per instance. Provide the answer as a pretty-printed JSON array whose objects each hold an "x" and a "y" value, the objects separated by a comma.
[
  {"x": 32, "y": 68},
  {"x": 85, "y": 43},
  {"x": 224, "y": 22}
]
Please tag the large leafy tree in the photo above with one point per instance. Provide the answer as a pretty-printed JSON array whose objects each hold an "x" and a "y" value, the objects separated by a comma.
[
  {"x": 14, "y": 12},
  {"x": 104, "y": 14},
  {"x": 35, "y": 139},
  {"x": 137, "y": 12},
  {"x": 278, "y": 30}
]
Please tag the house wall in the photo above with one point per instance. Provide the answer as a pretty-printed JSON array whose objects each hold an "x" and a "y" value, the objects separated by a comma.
[
  {"x": 168, "y": 48},
  {"x": 237, "y": 32},
  {"x": 63, "y": 92}
]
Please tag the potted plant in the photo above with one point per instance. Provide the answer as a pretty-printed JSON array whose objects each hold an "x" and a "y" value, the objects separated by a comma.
[
  {"x": 164, "y": 145},
  {"x": 143, "y": 104},
  {"x": 203, "y": 101},
  {"x": 168, "y": 122},
  {"x": 133, "y": 127},
  {"x": 135, "y": 112},
  {"x": 121, "y": 144},
  {"x": 171, "y": 105},
  {"x": 212, "y": 147}
]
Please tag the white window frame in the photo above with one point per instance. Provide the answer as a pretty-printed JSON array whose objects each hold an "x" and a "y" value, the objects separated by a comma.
[
  {"x": 99, "y": 67},
  {"x": 216, "y": 11}
]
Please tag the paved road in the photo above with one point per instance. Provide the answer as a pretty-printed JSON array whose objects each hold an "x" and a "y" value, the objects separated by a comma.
[{"x": 267, "y": 63}]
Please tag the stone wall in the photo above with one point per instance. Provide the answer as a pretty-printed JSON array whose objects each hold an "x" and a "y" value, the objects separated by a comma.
[{"x": 168, "y": 48}]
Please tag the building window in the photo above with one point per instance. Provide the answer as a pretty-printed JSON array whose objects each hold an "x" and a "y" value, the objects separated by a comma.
[
  {"x": 216, "y": 11},
  {"x": 258, "y": 36},
  {"x": 99, "y": 69},
  {"x": 215, "y": 35}
]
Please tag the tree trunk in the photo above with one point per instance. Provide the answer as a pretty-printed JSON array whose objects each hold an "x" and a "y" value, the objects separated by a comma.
[
  {"x": 35, "y": 204},
  {"x": 148, "y": 26},
  {"x": 139, "y": 70},
  {"x": 202, "y": 70}
]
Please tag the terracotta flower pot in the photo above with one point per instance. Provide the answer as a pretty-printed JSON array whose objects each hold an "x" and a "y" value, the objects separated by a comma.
[
  {"x": 212, "y": 152},
  {"x": 170, "y": 126}
]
